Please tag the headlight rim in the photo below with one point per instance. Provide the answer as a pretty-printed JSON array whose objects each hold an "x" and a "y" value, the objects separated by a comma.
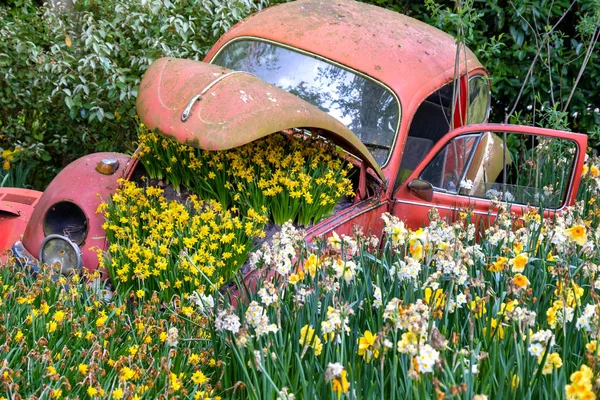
[{"x": 77, "y": 251}]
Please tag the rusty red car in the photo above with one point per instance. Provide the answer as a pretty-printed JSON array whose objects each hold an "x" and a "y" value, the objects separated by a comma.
[{"x": 384, "y": 87}]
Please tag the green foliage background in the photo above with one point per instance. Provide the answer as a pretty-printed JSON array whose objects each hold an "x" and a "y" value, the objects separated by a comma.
[
  {"x": 506, "y": 37},
  {"x": 68, "y": 81}
]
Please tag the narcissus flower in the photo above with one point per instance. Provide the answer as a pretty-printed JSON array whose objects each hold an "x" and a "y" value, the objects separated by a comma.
[
  {"x": 427, "y": 358},
  {"x": 199, "y": 378},
  {"x": 308, "y": 338},
  {"x": 366, "y": 346},
  {"x": 578, "y": 234},
  {"x": 520, "y": 281},
  {"x": 341, "y": 384},
  {"x": 519, "y": 262},
  {"x": 497, "y": 265},
  {"x": 553, "y": 361},
  {"x": 117, "y": 394},
  {"x": 581, "y": 384}
]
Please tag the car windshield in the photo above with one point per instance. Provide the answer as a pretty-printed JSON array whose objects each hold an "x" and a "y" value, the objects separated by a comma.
[{"x": 366, "y": 108}]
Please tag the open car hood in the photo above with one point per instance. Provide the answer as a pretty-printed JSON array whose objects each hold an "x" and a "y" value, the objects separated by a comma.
[{"x": 214, "y": 108}]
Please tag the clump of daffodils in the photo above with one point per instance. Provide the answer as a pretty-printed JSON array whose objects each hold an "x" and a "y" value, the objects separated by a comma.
[
  {"x": 8, "y": 156},
  {"x": 157, "y": 244},
  {"x": 292, "y": 176}
]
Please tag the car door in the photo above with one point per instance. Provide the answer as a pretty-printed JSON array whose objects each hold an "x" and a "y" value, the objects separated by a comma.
[{"x": 476, "y": 166}]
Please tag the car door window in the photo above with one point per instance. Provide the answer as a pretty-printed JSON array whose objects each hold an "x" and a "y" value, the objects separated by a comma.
[
  {"x": 514, "y": 167},
  {"x": 447, "y": 169}
]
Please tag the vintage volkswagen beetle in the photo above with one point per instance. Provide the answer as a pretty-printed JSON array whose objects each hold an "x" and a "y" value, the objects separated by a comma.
[{"x": 377, "y": 83}]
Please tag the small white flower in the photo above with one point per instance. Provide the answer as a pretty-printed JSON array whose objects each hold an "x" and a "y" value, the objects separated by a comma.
[
  {"x": 376, "y": 296},
  {"x": 203, "y": 302},
  {"x": 227, "y": 322},
  {"x": 535, "y": 349},
  {"x": 345, "y": 269},
  {"x": 172, "y": 336},
  {"x": 333, "y": 370},
  {"x": 461, "y": 299},
  {"x": 427, "y": 358}
]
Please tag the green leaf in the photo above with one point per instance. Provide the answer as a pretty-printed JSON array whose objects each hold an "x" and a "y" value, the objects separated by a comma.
[{"x": 69, "y": 102}]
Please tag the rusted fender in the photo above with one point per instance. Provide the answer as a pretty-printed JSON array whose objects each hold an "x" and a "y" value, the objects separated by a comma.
[
  {"x": 16, "y": 207},
  {"x": 213, "y": 108},
  {"x": 80, "y": 184}
]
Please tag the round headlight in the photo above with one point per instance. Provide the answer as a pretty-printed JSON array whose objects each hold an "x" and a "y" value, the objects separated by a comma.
[
  {"x": 67, "y": 219},
  {"x": 59, "y": 249}
]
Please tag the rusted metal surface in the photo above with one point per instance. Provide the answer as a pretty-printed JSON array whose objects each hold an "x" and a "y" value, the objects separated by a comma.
[
  {"x": 82, "y": 185},
  {"x": 405, "y": 54},
  {"x": 229, "y": 112},
  {"x": 16, "y": 208}
]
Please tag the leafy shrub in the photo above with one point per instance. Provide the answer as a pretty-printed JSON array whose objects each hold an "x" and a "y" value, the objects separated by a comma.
[
  {"x": 548, "y": 50},
  {"x": 69, "y": 80}
]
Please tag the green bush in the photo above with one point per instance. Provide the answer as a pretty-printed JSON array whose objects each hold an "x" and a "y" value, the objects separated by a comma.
[
  {"x": 508, "y": 37},
  {"x": 69, "y": 80}
]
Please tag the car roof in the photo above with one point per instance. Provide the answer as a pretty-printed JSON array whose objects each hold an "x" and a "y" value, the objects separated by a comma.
[{"x": 407, "y": 55}]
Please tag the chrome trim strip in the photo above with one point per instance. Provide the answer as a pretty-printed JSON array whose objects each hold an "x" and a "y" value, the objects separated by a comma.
[
  {"x": 443, "y": 207},
  {"x": 186, "y": 113}
]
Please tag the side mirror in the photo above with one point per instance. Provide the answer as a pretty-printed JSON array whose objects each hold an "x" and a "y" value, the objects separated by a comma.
[{"x": 421, "y": 189}]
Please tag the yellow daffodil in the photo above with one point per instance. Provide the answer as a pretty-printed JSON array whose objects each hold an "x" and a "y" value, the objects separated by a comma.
[
  {"x": 578, "y": 234},
  {"x": 520, "y": 281},
  {"x": 341, "y": 385},
  {"x": 366, "y": 346},
  {"x": 497, "y": 265}
]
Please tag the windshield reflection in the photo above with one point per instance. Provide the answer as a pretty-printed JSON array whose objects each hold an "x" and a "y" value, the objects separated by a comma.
[{"x": 369, "y": 110}]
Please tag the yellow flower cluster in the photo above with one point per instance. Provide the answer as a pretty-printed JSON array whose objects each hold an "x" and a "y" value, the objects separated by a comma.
[
  {"x": 294, "y": 176},
  {"x": 68, "y": 339},
  {"x": 8, "y": 156},
  {"x": 581, "y": 384},
  {"x": 308, "y": 338},
  {"x": 162, "y": 245}
]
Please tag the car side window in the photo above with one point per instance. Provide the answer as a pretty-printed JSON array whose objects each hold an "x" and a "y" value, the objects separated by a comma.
[
  {"x": 479, "y": 100},
  {"x": 513, "y": 167},
  {"x": 429, "y": 124}
]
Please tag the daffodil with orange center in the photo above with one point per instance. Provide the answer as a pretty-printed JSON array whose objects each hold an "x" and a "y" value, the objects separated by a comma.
[
  {"x": 520, "y": 281},
  {"x": 578, "y": 234},
  {"x": 519, "y": 262},
  {"x": 341, "y": 385},
  {"x": 497, "y": 265}
]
